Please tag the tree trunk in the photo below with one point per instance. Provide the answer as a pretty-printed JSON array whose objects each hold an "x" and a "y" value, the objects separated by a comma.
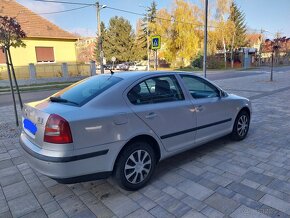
[
  {"x": 232, "y": 47},
  {"x": 225, "y": 53},
  {"x": 11, "y": 85},
  {"x": 14, "y": 77}
]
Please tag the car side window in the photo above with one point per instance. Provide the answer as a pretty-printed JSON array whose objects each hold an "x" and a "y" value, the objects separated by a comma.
[
  {"x": 156, "y": 90},
  {"x": 199, "y": 88}
]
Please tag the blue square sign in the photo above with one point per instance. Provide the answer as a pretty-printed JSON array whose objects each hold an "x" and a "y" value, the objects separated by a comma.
[{"x": 155, "y": 42}]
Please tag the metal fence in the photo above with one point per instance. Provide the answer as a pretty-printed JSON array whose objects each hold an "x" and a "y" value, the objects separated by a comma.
[
  {"x": 48, "y": 71},
  {"x": 78, "y": 70},
  {"x": 21, "y": 72},
  {"x": 43, "y": 71}
]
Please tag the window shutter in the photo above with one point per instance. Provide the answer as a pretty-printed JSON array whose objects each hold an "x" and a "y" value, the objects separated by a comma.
[{"x": 44, "y": 54}]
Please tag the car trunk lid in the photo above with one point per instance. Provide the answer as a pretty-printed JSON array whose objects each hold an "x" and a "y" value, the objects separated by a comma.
[{"x": 34, "y": 119}]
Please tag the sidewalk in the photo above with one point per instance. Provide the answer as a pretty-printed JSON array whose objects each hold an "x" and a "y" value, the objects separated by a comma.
[
  {"x": 249, "y": 178},
  {"x": 7, "y": 90}
]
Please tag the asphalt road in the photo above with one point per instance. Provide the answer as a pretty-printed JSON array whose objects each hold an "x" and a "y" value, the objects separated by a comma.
[{"x": 6, "y": 99}]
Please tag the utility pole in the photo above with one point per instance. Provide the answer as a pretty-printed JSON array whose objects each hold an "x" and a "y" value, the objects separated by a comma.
[
  {"x": 205, "y": 39},
  {"x": 100, "y": 39}
]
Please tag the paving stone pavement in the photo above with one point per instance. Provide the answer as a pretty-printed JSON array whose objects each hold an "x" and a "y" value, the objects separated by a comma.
[{"x": 223, "y": 178}]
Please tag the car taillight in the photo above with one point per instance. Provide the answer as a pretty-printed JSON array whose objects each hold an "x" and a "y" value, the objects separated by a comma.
[{"x": 57, "y": 130}]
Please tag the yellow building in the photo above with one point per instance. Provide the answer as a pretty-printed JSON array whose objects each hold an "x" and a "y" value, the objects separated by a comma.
[{"x": 45, "y": 42}]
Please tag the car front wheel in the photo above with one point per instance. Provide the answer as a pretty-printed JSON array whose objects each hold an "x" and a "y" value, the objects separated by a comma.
[
  {"x": 135, "y": 166},
  {"x": 241, "y": 126}
]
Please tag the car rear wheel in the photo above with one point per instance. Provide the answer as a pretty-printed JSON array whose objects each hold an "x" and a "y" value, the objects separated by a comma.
[
  {"x": 135, "y": 166},
  {"x": 241, "y": 126}
]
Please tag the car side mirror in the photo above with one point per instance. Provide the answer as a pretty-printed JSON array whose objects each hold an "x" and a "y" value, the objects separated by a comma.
[{"x": 222, "y": 93}]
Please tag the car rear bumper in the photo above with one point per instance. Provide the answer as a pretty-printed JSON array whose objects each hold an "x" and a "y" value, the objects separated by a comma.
[{"x": 69, "y": 169}]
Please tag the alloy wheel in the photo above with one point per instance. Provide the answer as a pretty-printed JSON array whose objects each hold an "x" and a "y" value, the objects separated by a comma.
[
  {"x": 137, "y": 166},
  {"x": 243, "y": 125}
]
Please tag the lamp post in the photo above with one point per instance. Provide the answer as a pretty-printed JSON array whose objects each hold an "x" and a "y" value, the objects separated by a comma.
[
  {"x": 205, "y": 38},
  {"x": 100, "y": 40}
]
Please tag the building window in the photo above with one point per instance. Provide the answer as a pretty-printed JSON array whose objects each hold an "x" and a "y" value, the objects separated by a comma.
[
  {"x": 2, "y": 56},
  {"x": 44, "y": 54}
]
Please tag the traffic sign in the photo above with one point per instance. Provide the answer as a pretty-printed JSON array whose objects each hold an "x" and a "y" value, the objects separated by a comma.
[
  {"x": 113, "y": 59},
  {"x": 155, "y": 42}
]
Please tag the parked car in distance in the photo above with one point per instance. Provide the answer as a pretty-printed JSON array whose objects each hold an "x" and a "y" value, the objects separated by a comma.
[
  {"x": 123, "y": 124},
  {"x": 138, "y": 67},
  {"x": 118, "y": 66},
  {"x": 125, "y": 66}
]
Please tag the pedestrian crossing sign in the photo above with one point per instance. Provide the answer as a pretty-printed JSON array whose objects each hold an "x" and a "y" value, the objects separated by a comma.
[{"x": 155, "y": 42}]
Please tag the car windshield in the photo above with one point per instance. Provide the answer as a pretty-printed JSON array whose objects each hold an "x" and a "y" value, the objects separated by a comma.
[{"x": 85, "y": 90}]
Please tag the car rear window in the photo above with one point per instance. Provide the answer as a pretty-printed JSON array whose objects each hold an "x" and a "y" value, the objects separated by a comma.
[{"x": 85, "y": 90}]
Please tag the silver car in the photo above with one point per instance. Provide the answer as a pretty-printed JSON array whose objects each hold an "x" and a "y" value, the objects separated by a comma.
[{"x": 123, "y": 124}]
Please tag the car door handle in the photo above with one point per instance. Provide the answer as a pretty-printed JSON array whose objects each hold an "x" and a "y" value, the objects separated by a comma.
[
  {"x": 151, "y": 115},
  {"x": 199, "y": 108}
]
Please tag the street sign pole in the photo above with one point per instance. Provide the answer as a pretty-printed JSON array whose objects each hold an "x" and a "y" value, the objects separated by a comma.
[
  {"x": 113, "y": 60},
  {"x": 155, "y": 45},
  {"x": 156, "y": 59}
]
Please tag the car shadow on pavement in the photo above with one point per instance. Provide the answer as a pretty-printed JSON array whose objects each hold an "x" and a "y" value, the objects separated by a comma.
[{"x": 175, "y": 162}]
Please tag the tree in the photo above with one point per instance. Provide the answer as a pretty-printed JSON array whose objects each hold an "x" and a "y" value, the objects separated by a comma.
[
  {"x": 163, "y": 27},
  {"x": 118, "y": 39},
  {"x": 149, "y": 19},
  {"x": 224, "y": 25},
  {"x": 140, "y": 44},
  {"x": 145, "y": 30},
  {"x": 11, "y": 35},
  {"x": 185, "y": 39},
  {"x": 238, "y": 18}
]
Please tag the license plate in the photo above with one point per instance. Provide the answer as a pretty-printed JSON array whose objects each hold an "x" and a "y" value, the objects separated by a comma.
[{"x": 30, "y": 126}]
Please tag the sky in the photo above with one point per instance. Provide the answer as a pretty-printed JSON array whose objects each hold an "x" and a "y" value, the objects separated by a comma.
[{"x": 270, "y": 15}]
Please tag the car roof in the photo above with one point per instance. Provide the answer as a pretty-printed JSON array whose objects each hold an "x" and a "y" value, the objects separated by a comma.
[{"x": 140, "y": 74}]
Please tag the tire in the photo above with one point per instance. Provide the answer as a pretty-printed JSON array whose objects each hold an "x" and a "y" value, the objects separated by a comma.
[
  {"x": 241, "y": 126},
  {"x": 133, "y": 176}
]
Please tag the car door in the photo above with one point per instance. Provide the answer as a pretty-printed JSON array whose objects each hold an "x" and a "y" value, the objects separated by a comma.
[
  {"x": 213, "y": 111},
  {"x": 161, "y": 104}
]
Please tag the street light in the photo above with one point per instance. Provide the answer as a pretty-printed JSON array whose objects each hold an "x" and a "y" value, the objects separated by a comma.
[
  {"x": 100, "y": 40},
  {"x": 205, "y": 39}
]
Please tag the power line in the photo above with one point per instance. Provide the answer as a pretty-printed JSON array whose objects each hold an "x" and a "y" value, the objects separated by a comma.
[
  {"x": 259, "y": 30},
  {"x": 73, "y": 9},
  {"x": 64, "y": 2},
  {"x": 155, "y": 17},
  {"x": 117, "y": 9},
  {"x": 129, "y": 12}
]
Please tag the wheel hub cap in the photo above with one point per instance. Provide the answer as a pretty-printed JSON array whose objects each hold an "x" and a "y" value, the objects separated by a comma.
[
  {"x": 243, "y": 125},
  {"x": 137, "y": 166}
]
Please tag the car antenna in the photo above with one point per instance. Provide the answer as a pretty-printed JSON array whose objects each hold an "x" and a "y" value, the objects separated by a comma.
[{"x": 112, "y": 72}]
